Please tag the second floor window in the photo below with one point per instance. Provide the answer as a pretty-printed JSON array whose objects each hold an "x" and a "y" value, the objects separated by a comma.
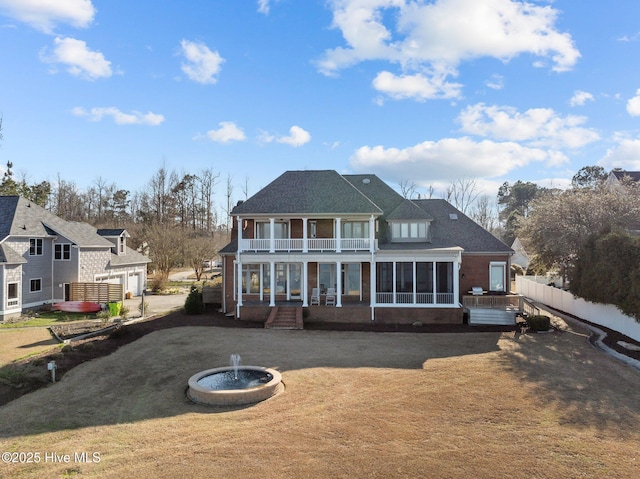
[
  {"x": 62, "y": 252},
  {"x": 409, "y": 231},
  {"x": 35, "y": 247},
  {"x": 355, "y": 229},
  {"x": 280, "y": 230}
]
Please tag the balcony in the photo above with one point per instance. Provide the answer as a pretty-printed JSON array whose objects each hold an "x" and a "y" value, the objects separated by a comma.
[{"x": 312, "y": 245}]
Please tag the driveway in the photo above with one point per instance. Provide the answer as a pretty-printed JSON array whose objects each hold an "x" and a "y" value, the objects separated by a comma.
[{"x": 155, "y": 304}]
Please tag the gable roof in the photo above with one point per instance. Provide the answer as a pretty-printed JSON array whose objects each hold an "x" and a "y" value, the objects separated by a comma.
[
  {"x": 408, "y": 210},
  {"x": 24, "y": 218},
  {"x": 9, "y": 256},
  {"x": 112, "y": 232},
  {"x": 381, "y": 194},
  {"x": 308, "y": 192},
  {"x": 620, "y": 174}
]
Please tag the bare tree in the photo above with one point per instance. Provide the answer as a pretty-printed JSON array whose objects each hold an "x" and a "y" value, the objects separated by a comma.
[
  {"x": 484, "y": 213},
  {"x": 245, "y": 187},
  {"x": 197, "y": 249},
  {"x": 462, "y": 193},
  {"x": 163, "y": 242},
  {"x": 229, "y": 195},
  {"x": 407, "y": 189}
]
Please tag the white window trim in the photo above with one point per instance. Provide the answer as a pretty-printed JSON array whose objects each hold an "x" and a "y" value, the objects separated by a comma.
[
  {"x": 408, "y": 226},
  {"x": 62, "y": 258},
  {"x": 13, "y": 301},
  {"x": 503, "y": 264},
  {"x": 35, "y": 290},
  {"x": 37, "y": 241}
]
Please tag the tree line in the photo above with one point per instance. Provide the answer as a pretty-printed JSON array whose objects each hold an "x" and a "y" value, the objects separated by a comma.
[{"x": 174, "y": 218}]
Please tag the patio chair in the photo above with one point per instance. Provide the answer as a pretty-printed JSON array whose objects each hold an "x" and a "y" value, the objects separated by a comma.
[
  {"x": 315, "y": 296},
  {"x": 331, "y": 297}
]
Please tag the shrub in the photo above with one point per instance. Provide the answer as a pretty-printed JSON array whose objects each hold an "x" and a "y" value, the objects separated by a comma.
[
  {"x": 193, "y": 304},
  {"x": 143, "y": 307},
  {"x": 539, "y": 322}
]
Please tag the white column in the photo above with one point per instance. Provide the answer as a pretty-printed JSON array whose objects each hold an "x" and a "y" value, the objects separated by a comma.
[
  {"x": 305, "y": 236},
  {"x": 272, "y": 241},
  {"x": 305, "y": 280},
  {"x": 435, "y": 285},
  {"x": 456, "y": 282},
  {"x": 239, "y": 226},
  {"x": 339, "y": 284},
  {"x": 272, "y": 284},
  {"x": 373, "y": 291},
  {"x": 338, "y": 235},
  {"x": 239, "y": 288},
  {"x": 372, "y": 234},
  {"x": 393, "y": 288},
  {"x": 415, "y": 283}
]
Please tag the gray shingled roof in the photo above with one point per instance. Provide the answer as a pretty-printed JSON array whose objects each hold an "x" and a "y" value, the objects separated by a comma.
[
  {"x": 320, "y": 192},
  {"x": 9, "y": 256},
  {"x": 112, "y": 231},
  {"x": 131, "y": 257},
  {"x": 21, "y": 217},
  {"x": 463, "y": 231},
  {"x": 408, "y": 210},
  {"x": 381, "y": 194},
  {"x": 634, "y": 175}
]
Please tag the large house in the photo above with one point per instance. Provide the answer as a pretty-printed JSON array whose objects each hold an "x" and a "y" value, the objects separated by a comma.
[
  {"x": 351, "y": 249},
  {"x": 42, "y": 255}
]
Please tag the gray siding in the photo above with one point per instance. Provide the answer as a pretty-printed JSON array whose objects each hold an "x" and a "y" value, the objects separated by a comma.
[{"x": 37, "y": 267}]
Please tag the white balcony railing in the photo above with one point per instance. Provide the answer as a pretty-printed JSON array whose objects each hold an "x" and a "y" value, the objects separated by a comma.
[
  {"x": 420, "y": 298},
  {"x": 298, "y": 244}
]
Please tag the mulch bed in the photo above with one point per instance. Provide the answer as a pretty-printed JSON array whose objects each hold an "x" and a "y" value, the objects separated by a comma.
[{"x": 69, "y": 356}]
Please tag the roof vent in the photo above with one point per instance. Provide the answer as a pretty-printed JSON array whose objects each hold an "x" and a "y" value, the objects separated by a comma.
[
  {"x": 453, "y": 216},
  {"x": 366, "y": 181}
]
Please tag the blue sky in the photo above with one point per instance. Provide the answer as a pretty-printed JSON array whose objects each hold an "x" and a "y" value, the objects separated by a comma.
[{"x": 420, "y": 91}]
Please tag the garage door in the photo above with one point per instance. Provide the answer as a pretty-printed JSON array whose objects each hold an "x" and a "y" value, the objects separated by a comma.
[{"x": 135, "y": 285}]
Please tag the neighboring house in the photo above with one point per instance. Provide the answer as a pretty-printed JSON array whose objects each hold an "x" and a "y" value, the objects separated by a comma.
[
  {"x": 42, "y": 254},
  {"x": 616, "y": 177},
  {"x": 520, "y": 256},
  {"x": 616, "y": 181},
  {"x": 386, "y": 258}
]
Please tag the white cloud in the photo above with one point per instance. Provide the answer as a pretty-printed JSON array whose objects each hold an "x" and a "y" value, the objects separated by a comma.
[
  {"x": 79, "y": 60},
  {"x": 227, "y": 132},
  {"x": 443, "y": 160},
  {"x": 495, "y": 82},
  {"x": 119, "y": 117},
  {"x": 435, "y": 37},
  {"x": 418, "y": 86},
  {"x": 202, "y": 65},
  {"x": 633, "y": 105},
  {"x": 297, "y": 137},
  {"x": 263, "y": 6},
  {"x": 625, "y": 155},
  {"x": 44, "y": 15},
  {"x": 580, "y": 97},
  {"x": 539, "y": 127}
]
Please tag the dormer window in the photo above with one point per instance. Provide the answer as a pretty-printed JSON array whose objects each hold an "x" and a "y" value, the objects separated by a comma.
[
  {"x": 122, "y": 245},
  {"x": 409, "y": 231}
]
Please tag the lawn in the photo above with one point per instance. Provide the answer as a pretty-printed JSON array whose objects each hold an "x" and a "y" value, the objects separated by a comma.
[{"x": 356, "y": 404}]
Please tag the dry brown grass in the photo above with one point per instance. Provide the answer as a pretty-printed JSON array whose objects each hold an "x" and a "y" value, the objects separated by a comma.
[
  {"x": 482, "y": 405},
  {"x": 16, "y": 343}
]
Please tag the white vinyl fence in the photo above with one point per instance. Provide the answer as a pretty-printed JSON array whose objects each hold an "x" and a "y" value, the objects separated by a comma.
[{"x": 605, "y": 315}]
